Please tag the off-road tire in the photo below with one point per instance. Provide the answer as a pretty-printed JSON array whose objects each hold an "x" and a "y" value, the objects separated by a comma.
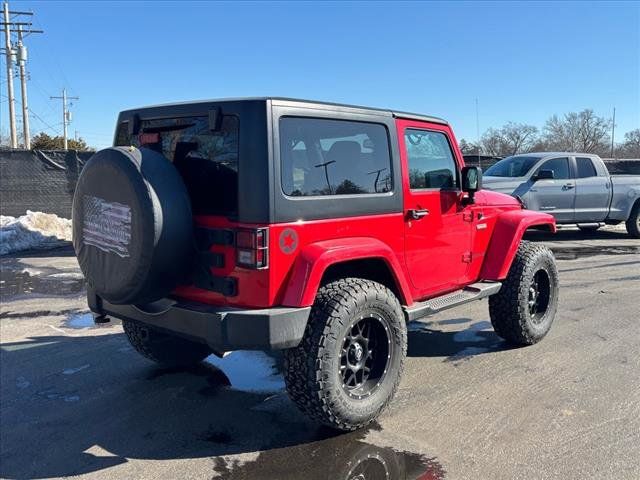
[
  {"x": 312, "y": 370},
  {"x": 163, "y": 348},
  {"x": 633, "y": 222},
  {"x": 509, "y": 309}
]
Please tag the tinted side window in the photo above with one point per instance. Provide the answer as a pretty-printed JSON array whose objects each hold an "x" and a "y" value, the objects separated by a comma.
[
  {"x": 431, "y": 161},
  {"x": 333, "y": 157},
  {"x": 559, "y": 166},
  {"x": 585, "y": 167}
]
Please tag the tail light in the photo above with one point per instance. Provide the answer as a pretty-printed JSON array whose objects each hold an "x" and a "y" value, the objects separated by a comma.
[{"x": 252, "y": 248}]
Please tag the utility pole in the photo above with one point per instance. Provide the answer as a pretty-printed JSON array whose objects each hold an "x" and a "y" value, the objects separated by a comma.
[
  {"x": 9, "y": 52},
  {"x": 613, "y": 130},
  {"x": 19, "y": 54},
  {"x": 66, "y": 115},
  {"x": 22, "y": 60}
]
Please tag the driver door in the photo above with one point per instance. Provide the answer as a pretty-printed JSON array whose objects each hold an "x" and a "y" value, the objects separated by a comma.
[
  {"x": 556, "y": 196},
  {"x": 437, "y": 226}
]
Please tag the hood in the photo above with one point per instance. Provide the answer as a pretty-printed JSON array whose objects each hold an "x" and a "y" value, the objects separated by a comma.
[
  {"x": 487, "y": 197},
  {"x": 501, "y": 184}
]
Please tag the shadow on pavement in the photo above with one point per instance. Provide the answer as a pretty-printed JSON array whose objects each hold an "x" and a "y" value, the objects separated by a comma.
[
  {"x": 426, "y": 340},
  {"x": 81, "y": 404},
  {"x": 581, "y": 244},
  {"x": 63, "y": 251}
]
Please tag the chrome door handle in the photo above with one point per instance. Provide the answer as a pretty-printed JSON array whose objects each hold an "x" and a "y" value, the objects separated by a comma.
[
  {"x": 568, "y": 186},
  {"x": 418, "y": 214}
]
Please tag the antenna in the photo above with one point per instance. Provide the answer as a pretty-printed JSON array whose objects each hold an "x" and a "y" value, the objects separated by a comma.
[
  {"x": 478, "y": 133},
  {"x": 613, "y": 130}
]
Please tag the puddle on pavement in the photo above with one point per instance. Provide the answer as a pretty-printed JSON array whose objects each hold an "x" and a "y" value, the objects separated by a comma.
[
  {"x": 247, "y": 371},
  {"x": 343, "y": 457},
  {"x": 80, "y": 320},
  {"x": 250, "y": 371},
  {"x": 34, "y": 281}
]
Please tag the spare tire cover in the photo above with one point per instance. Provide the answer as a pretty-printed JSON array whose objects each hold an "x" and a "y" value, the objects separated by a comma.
[{"x": 132, "y": 225}]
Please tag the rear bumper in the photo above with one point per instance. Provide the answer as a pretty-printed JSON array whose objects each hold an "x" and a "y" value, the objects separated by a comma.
[{"x": 222, "y": 328}]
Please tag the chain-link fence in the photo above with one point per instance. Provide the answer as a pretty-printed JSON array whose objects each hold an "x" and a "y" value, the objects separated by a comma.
[{"x": 39, "y": 180}]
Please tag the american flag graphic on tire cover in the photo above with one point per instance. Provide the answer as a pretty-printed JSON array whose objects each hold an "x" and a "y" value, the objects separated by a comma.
[{"x": 107, "y": 225}]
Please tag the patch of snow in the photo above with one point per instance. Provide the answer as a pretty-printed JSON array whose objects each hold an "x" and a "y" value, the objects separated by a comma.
[
  {"x": 32, "y": 272},
  {"x": 67, "y": 275},
  {"x": 33, "y": 231},
  {"x": 80, "y": 320},
  {"x": 251, "y": 371}
]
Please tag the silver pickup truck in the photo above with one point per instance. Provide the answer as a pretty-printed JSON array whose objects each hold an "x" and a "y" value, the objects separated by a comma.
[{"x": 576, "y": 188}]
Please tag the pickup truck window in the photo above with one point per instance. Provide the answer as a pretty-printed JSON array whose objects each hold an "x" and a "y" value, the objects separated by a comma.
[
  {"x": 559, "y": 166},
  {"x": 585, "y": 167},
  {"x": 334, "y": 157},
  {"x": 512, "y": 167},
  {"x": 430, "y": 158}
]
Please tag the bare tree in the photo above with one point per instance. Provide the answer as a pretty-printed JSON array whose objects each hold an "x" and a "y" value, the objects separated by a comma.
[
  {"x": 631, "y": 146},
  {"x": 578, "y": 132},
  {"x": 491, "y": 142},
  {"x": 469, "y": 148},
  {"x": 511, "y": 139},
  {"x": 518, "y": 137}
]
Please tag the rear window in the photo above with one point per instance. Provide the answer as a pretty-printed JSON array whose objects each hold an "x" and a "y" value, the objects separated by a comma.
[
  {"x": 585, "y": 167},
  {"x": 333, "y": 157},
  {"x": 207, "y": 160}
]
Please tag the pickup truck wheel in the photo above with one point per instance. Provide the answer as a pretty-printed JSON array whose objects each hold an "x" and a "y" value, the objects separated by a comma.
[
  {"x": 523, "y": 310},
  {"x": 348, "y": 365},
  {"x": 163, "y": 348},
  {"x": 633, "y": 222}
]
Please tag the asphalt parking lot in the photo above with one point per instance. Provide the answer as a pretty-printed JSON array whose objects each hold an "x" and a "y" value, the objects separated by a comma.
[{"x": 77, "y": 400}]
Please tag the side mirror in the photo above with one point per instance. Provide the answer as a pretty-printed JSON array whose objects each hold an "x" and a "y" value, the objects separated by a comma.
[
  {"x": 471, "y": 181},
  {"x": 545, "y": 175}
]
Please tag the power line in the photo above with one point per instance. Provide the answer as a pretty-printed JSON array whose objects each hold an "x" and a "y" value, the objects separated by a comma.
[{"x": 52, "y": 128}]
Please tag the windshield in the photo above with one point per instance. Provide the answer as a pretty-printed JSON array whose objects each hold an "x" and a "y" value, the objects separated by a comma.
[
  {"x": 207, "y": 160},
  {"x": 512, "y": 167}
]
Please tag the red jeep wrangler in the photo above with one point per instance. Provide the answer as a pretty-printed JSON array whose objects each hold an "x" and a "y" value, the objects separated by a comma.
[{"x": 316, "y": 228}]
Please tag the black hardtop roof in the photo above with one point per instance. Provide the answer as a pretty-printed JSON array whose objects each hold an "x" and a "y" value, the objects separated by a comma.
[{"x": 294, "y": 102}]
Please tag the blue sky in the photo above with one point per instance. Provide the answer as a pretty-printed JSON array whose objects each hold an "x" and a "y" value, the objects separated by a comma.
[{"x": 523, "y": 61}]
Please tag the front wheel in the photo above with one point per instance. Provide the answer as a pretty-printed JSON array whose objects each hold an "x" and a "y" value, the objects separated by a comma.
[
  {"x": 348, "y": 365},
  {"x": 523, "y": 310}
]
